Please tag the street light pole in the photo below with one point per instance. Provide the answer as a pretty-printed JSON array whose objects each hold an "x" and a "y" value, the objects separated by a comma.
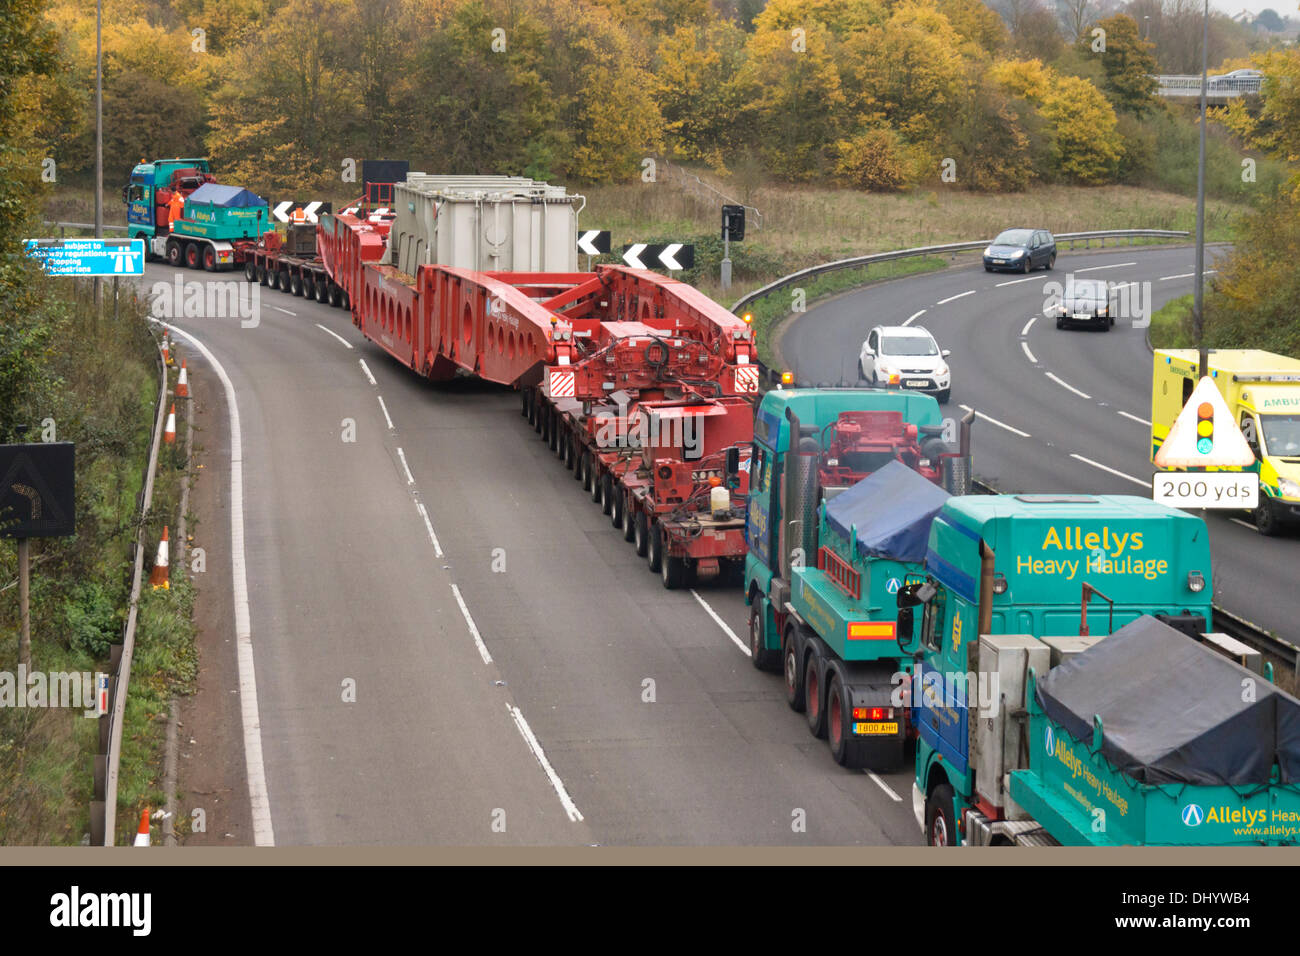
[
  {"x": 99, "y": 141},
  {"x": 1198, "y": 303}
]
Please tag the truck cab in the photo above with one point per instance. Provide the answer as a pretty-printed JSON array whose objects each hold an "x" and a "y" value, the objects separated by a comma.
[
  {"x": 1061, "y": 569},
  {"x": 1262, "y": 390},
  {"x": 150, "y": 188}
]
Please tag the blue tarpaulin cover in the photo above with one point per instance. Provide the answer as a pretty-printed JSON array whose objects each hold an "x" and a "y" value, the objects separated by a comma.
[
  {"x": 892, "y": 509},
  {"x": 226, "y": 196}
]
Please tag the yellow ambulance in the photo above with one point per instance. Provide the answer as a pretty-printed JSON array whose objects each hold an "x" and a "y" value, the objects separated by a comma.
[{"x": 1262, "y": 391}]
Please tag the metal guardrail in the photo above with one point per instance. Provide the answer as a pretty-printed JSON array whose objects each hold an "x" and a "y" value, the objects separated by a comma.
[
  {"x": 951, "y": 248},
  {"x": 81, "y": 225}
]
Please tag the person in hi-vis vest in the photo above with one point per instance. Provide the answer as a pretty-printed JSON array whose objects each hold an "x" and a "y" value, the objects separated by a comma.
[{"x": 174, "y": 208}]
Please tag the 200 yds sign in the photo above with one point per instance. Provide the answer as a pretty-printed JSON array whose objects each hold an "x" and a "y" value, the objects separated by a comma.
[{"x": 1217, "y": 489}]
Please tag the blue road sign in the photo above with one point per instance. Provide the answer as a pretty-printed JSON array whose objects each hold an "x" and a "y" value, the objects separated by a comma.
[{"x": 88, "y": 257}]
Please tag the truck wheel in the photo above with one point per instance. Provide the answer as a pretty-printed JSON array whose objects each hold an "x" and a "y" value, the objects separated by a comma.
[
  {"x": 262, "y": 277},
  {"x": 759, "y": 654},
  {"x": 574, "y": 460},
  {"x": 175, "y": 254},
  {"x": 673, "y": 571},
  {"x": 641, "y": 534},
  {"x": 940, "y": 827},
  {"x": 250, "y": 270},
  {"x": 587, "y": 479},
  {"x": 592, "y": 482},
  {"x": 617, "y": 505},
  {"x": 606, "y": 493},
  {"x": 322, "y": 290},
  {"x": 629, "y": 521},
  {"x": 792, "y": 669},
  {"x": 344, "y": 301},
  {"x": 655, "y": 556},
  {"x": 192, "y": 255},
  {"x": 209, "y": 259},
  {"x": 308, "y": 287},
  {"x": 295, "y": 284},
  {"x": 814, "y": 698},
  {"x": 336, "y": 295},
  {"x": 839, "y": 714},
  {"x": 1266, "y": 521}
]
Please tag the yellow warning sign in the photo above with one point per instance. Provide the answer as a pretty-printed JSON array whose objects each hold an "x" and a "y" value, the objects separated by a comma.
[{"x": 1204, "y": 434}]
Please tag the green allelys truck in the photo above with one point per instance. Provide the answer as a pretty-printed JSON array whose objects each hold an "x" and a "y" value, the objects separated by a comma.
[
  {"x": 1111, "y": 591},
  {"x": 828, "y": 551}
]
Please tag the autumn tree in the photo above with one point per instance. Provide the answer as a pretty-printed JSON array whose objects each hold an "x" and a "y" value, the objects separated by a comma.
[{"x": 695, "y": 73}]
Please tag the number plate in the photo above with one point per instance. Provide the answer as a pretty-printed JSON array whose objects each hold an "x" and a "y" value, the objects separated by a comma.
[
  {"x": 917, "y": 383},
  {"x": 999, "y": 262},
  {"x": 876, "y": 728}
]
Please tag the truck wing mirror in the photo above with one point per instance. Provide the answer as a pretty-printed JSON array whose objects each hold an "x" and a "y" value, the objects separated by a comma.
[
  {"x": 906, "y": 623},
  {"x": 733, "y": 460}
]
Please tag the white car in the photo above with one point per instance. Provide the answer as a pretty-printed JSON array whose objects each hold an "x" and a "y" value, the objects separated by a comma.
[{"x": 906, "y": 356}]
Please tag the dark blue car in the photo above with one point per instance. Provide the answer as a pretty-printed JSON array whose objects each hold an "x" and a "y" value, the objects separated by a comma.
[{"x": 1019, "y": 250}]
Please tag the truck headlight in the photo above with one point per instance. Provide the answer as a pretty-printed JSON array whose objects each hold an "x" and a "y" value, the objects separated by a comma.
[
  {"x": 1195, "y": 582},
  {"x": 1288, "y": 488}
]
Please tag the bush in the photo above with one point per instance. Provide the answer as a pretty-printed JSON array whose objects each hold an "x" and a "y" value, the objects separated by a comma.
[
  {"x": 876, "y": 159},
  {"x": 91, "y": 619}
]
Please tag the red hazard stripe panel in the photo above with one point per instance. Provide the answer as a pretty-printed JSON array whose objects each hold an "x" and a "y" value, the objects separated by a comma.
[{"x": 562, "y": 384}]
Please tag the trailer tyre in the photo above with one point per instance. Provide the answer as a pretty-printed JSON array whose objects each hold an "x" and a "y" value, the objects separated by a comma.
[
  {"x": 308, "y": 287},
  {"x": 606, "y": 494},
  {"x": 792, "y": 672},
  {"x": 335, "y": 295},
  {"x": 591, "y": 479},
  {"x": 629, "y": 521},
  {"x": 760, "y": 655},
  {"x": 814, "y": 695},
  {"x": 673, "y": 571},
  {"x": 262, "y": 276},
  {"x": 655, "y": 554},
  {"x": 295, "y": 284},
  {"x": 940, "y": 827},
  {"x": 250, "y": 270},
  {"x": 641, "y": 534},
  {"x": 617, "y": 505},
  {"x": 323, "y": 291}
]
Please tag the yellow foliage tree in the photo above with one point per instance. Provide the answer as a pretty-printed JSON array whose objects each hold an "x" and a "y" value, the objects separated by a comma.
[{"x": 1086, "y": 139}]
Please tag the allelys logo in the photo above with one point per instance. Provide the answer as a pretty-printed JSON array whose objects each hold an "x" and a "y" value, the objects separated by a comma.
[
  {"x": 1193, "y": 815},
  {"x": 1050, "y": 740}
]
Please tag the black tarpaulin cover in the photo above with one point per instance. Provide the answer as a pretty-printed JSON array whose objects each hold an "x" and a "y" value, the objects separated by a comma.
[
  {"x": 892, "y": 509},
  {"x": 1175, "y": 711}
]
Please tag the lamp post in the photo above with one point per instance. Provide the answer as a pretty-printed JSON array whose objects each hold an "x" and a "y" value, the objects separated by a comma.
[
  {"x": 1198, "y": 315},
  {"x": 99, "y": 141}
]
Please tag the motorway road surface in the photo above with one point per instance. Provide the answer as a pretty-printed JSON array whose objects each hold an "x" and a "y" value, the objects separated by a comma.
[
  {"x": 1061, "y": 410},
  {"x": 570, "y": 637}
]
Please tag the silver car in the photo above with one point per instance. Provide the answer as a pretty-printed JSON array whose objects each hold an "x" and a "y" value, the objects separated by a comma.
[{"x": 1085, "y": 302}]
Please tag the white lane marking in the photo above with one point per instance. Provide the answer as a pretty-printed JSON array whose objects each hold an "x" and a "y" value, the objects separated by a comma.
[
  {"x": 1121, "y": 285},
  {"x": 437, "y": 548},
  {"x": 914, "y": 316},
  {"x": 285, "y": 311},
  {"x": 385, "y": 408},
  {"x": 1117, "y": 474},
  {"x": 991, "y": 419},
  {"x": 1067, "y": 385},
  {"x": 1029, "y": 325},
  {"x": 1028, "y": 354},
  {"x": 1118, "y": 265},
  {"x": 254, "y": 768},
  {"x": 366, "y": 368},
  {"x": 1015, "y": 281},
  {"x": 959, "y": 295},
  {"x": 722, "y": 624},
  {"x": 565, "y": 800},
  {"x": 473, "y": 628},
  {"x": 410, "y": 478},
  {"x": 1186, "y": 275},
  {"x": 1140, "y": 421},
  {"x": 346, "y": 343},
  {"x": 1244, "y": 524},
  {"x": 885, "y": 787}
]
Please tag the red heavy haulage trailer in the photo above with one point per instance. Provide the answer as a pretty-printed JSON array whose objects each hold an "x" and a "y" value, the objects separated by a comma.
[{"x": 642, "y": 385}]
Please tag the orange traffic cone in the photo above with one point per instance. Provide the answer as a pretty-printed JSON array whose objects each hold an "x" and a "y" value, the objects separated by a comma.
[
  {"x": 159, "y": 577},
  {"x": 166, "y": 348},
  {"x": 183, "y": 383},
  {"x": 142, "y": 834},
  {"x": 169, "y": 430}
]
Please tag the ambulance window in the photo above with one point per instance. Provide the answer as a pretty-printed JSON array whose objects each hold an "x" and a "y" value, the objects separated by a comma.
[
  {"x": 932, "y": 624},
  {"x": 1249, "y": 433},
  {"x": 1187, "y": 390}
]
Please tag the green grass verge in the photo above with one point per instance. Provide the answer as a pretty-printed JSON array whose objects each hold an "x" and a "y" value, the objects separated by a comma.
[{"x": 1171, "y": 325}]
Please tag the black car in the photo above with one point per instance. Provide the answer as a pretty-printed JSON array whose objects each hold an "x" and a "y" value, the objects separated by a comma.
[{"x": 1019, "y": 250}]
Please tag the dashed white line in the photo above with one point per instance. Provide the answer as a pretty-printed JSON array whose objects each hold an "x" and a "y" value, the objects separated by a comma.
[
  {"x": 473, "y": 628},
  {"x": 1028, "y": 354},
  {"x": 437, "y": 548},
  {"x": 914, "y": 316},
  {"x": 952, "y": 298},
  {"x": 994, "y": 421},
  {"x": 410, "y": 478},
  {"x": 366, "y": 368},
  {"x": 1140, "y": 421},
  {"x": 1186, "y": 275},
  {"x": 1067, "y": 385},
  {"x": 1029, "y": 325},
  {"x": 1107, "y": 468},
  {"x": 1015, "y": 281},
  {"x": 385, "y": 408},
  {"x": 722, "y": 624},
  {"x": 254, "y": 767},
  {"x": 1244, "y": 524},
  {"x": 565, "y": 800},
  {"x": 885, "y": 787},
  {"x": 1118, "y": 265},
  {"x": 346, "y": 343},
  {"x": 285, "y": 311}
]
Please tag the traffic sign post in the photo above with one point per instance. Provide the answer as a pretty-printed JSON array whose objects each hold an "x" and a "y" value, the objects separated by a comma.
[
  {"x": 37, "y": 500},
  {"x": 88, "y": 257},
  {"x": 733, "y": 227}
]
